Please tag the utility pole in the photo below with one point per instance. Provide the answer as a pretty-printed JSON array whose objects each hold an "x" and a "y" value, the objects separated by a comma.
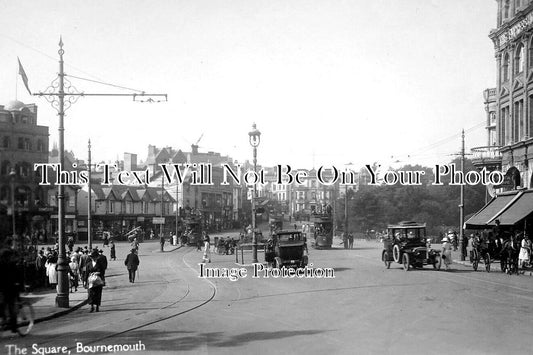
[
  {"x": 462, "y": 245},
  {"x": 462, "y": 204},
  {"x": 89, "y": 202},
  {"x": 61, "y": 100}
]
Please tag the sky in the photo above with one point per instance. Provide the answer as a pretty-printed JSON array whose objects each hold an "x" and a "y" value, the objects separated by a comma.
[{"x": 327, "y": 82}]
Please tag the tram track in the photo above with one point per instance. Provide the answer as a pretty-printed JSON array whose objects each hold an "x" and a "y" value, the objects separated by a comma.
[
  {"x": 164, "y": 318},
  {"x": 159, "y": 319}
]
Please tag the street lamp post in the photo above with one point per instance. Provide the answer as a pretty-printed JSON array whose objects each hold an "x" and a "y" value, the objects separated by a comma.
[
  {"x": 62, "y": 99},
  {"x": 255, "y": 138}
]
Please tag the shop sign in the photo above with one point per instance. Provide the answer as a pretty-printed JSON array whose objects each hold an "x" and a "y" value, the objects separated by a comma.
[{"x": 158, "y": 220}]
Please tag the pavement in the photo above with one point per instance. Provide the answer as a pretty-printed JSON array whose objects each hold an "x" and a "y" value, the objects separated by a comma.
[{"x": 44, "y": 301}]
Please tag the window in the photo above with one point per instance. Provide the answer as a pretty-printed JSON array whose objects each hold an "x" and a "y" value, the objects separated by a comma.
[
  {"x": 518, "y": 121},
  {"x": 505, "y": 67},
  {"x": 21, "y": 143},
  {"x": 506, "y": 10},
  {"x": 6, "y": 142},
  {"x": 6, "y": 167},
  {"x": 519, "y": 59},
  {"x": 503, "y": 134},
  {"x": 40, "y": 145}
]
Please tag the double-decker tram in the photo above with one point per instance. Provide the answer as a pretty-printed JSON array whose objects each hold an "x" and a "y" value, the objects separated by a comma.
[
  {"x": 193, "y": 229},
  {"x": 320, "y": 227}
]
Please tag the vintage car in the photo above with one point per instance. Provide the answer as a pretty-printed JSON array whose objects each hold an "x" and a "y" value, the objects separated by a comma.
[
  {"x": 286, "y": 248},
  {"x": 406, "y": 243}
]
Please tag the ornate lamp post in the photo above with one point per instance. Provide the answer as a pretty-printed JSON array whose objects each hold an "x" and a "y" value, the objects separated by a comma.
[
  {"x": 255, "y": 138},
  {"x": 61, "y": 94}
]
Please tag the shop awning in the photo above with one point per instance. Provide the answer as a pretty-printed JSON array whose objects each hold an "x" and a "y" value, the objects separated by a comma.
[
  {"x": 517, "y": 211},
  {"x": 491, "y": 210}
]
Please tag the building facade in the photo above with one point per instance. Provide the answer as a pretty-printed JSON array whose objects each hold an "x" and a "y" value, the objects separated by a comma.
[
  {"x": 513, "y": 44},
  {"x": 23, "y": 143}
]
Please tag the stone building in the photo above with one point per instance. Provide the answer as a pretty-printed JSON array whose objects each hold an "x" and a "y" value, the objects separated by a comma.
[
  {"x": 513, "y": 44},
  {"x": 23, "y": 143}
]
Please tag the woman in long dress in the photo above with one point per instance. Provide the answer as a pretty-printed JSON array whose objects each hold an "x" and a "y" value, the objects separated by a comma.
[
  {"x": 446, "y": 252},
  {"x": 51, "y": 269},
  {"x": 525, "y": 250},
  {"x": 207, "y": 249},
  {"x": 95, "y": 290}
]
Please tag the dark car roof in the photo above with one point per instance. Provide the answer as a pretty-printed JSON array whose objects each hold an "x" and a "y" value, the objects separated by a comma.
[{"x": 406, "y": 225}]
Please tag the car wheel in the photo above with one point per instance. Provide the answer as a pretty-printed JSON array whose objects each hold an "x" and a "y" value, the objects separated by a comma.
[
  {"x": 385, "y": 258},
  {"x": 396, "y": 253},
  {"x": 277, "y": 262},
  {"x": 405, "y": 261}
]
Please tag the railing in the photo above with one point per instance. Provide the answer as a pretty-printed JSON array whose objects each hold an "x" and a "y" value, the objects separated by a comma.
[{"x": 486, "y": 153}]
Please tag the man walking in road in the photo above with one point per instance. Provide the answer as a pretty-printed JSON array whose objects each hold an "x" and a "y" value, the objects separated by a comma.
[{"x": 132, "y": 262}]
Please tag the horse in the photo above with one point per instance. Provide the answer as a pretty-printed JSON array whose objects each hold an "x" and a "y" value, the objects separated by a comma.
[{"x": 509, "y": 256}]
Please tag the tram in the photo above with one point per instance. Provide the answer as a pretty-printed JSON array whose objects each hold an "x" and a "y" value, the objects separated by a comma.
[
  {"x": 276, "y": 223},
  {"x": 193, "y": 229},
  {"x": 320, "y": 227}
]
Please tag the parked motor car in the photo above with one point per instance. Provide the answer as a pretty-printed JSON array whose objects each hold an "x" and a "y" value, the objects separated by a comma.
[
  {"x": 287, "y": 248},
  {"x": 406, "y": 243}
]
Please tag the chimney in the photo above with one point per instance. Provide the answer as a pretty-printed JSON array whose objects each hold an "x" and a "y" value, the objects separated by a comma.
[
  {"x": 130, "y": 161},
  {"x": 194, "y": 149}
]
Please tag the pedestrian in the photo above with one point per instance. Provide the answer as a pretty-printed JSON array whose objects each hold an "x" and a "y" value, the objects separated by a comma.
[
  {"x": 174, "y": 238},
  {"x": 84, "y": 259},
  {"x": 51, "y": 269},
  {"x": 106, "y": 239},
  {"x": 94, "y": 280},
  {"x": 350, "y": 240},
  {"x": 207, "y": 249},
  {"x": 135, "y": 245},
  {"x": 70, "y": 243},
  {"x": 525, "y": 251},
  {"x": 162, "y": 242},
  {"x": 113, "y": 252},
  {"x": 102, "y": 259},
  {"x": 132, "y": 262},
  {"x": 74, "y": 274},
  {"x": 40, "y": 267},
  {"x": 446, "y": 252}
]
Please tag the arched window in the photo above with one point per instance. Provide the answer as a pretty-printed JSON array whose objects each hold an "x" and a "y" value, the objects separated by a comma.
[
  {"x": 505, "y": 67},
  {"x": 519, "y": 59}
]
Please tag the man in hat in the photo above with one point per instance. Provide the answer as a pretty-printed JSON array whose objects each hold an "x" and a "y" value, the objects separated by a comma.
[{"x": 132, "y": 262}]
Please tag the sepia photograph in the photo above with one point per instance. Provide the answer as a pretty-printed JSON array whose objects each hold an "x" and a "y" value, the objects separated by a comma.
[{"x": 266, "y": 176}]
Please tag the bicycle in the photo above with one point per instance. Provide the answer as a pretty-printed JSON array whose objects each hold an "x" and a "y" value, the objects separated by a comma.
[
  {"x": 25, "y": 317},
  {"x": 476, "y": 258}
]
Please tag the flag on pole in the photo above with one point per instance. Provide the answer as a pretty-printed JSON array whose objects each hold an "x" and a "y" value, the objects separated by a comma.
[{"x": 24, "y": 76}]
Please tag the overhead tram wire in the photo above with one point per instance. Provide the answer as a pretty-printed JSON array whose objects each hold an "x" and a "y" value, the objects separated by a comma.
[
  {"x": 431, "y": 146},
  {"x": 103, "y": 83},
  {"x": 48, "y": 56}
]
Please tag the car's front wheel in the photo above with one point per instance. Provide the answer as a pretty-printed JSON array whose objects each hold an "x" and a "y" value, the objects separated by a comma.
[{"x": 396, "y": 255}]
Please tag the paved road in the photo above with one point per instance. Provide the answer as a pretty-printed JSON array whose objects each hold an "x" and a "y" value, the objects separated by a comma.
[{"x": 364, "y": 309}]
